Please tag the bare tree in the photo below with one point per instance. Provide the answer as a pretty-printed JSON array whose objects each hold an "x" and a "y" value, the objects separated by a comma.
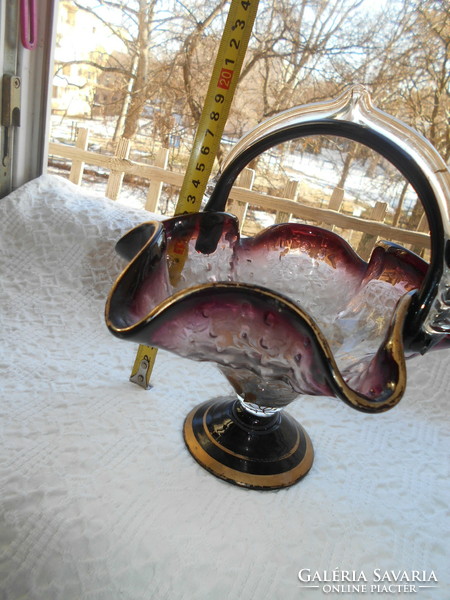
[
  {"x": 426, "y": 92},
  {"x": 300, "y": 51},
  {"x": 291, "y": 60},
  {"x": 132, "y": 23}
]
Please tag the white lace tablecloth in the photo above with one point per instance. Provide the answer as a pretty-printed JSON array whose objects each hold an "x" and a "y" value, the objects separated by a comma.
[{"x": 101, "y": 500}]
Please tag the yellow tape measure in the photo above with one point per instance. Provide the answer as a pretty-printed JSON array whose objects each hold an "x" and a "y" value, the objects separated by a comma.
[
  {"x": 222, "y": 86},
  {"x": 220, "y": 93}
]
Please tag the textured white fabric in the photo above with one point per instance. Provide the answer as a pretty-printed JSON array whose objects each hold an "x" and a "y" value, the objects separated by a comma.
[{"x": 99, "y": 497}]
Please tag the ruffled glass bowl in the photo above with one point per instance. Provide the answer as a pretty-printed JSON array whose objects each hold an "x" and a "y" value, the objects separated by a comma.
[{"x": 291, "y": 311}]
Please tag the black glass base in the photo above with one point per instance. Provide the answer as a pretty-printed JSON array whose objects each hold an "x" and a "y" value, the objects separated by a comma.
[{"x": 255, "y": 452}]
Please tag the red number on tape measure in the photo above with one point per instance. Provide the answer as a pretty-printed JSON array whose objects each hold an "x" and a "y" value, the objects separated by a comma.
[{"x": 225, "y": 78}]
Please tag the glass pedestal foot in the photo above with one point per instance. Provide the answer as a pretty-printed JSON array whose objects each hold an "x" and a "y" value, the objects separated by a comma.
[{"x": 254, "y": 452}]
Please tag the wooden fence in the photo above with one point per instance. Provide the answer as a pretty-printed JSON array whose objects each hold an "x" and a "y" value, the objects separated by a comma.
[{"x": 241, "y": 197}]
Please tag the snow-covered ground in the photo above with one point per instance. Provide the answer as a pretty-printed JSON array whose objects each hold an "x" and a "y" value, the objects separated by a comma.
[{"x": 322, "y": 171}]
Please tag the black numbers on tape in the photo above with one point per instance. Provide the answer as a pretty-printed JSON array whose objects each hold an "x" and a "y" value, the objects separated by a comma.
[{"x": 238, "y": 25}]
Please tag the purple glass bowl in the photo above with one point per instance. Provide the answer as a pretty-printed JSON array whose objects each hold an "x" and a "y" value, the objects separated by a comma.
[{"x": 291, "y": 311}]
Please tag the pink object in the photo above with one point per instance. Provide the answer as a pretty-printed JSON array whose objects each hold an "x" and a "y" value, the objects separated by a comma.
[{"x": 28, "y": 24}]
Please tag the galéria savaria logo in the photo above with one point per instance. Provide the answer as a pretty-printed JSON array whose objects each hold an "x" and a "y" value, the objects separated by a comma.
[{"x": 378, "y": 581}]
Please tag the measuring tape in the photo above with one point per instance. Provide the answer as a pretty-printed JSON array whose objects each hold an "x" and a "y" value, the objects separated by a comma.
[
  {"x": 222, "y": 86},
  {"x": 220, "y": 93}
]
